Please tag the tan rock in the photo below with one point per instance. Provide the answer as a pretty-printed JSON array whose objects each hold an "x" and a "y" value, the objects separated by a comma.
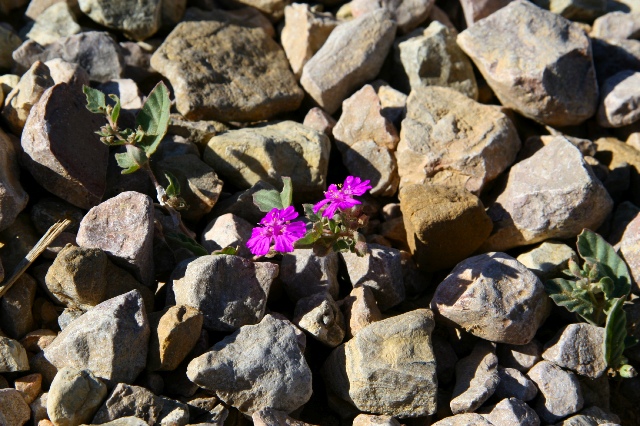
[
  {"x": 29, "y": 386},
  {"x": 407, "y": 13},
  {"x": 174, "y": 332},
  {"x": 475, "y": 10},
  {"x": 373, "y": 420},
  {"x": 66, "y": 72},
  {"x": 617, "y": 25},
  {"x": 53, "y": 23},
  {"x": 359, "y": 309},
  {"x": 319, "y": 120},
  {"x": 629, "y": 247},
  {"x": 614, "y": 154},
  {"x": 37, "y": 340},
  {"x": 14, "y": 411},
  {"x": 274, "y": 9},
  {"x": 36, "y": 7}
]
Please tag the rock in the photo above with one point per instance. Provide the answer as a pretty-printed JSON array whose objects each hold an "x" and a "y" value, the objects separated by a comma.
[
  {"x": 353, "y": 54},
  {"x": 409, "y": 14},
  {"x": 494, "y": 297},
  {"x": 9, "y": 41},
  {"x": 174, "y": 332},
  {"x": 619, "y": 97},
  {"x": 612, "y": 56},
  {"x": 304, "y": 273},
  {"x": 246, "y": 156},
  {"x": 476, "y": 378},
  {"x": 446, "y": 360},
  {"x": 128, "y": 92},
  {"x": 257, "y": 366},
  {"x": 227, "y": 230},
  {"x": 304, "y": 33},
  {"x": 548, "y": 260},
  {"x": 591, "y": 416},
  {"x": 94, "y": 341},
  {"x": 52, "y": 142},
  {"x": 616, "y": 25},
  {"x": 13, "y": 198},
  {"x": 444, "y": 225},
  {"x": 381, "y": 271},
  {"x": 94, "y": 51},
  {"x": 466, "y": 419},
  {"x": 123, "y": 227},
  {"x": 475, "y": 10},
  {"x": 319, "y": 120},
  {"x": 388, "y": 367},
  {"x": 432, "y": 58},
  {"x": 126, "y": 400},
  {"x": 13, "y": 357},
  {"x": 230, "y": 291},
  {"x": 545, "y": 72},
  {"x": 233, "y": 90},
  {"x": 66, "y": 72},
  {"x": 630, "y": 250},
  {"x": 373, "y": 420},
  {"x": 359, "y": 309},
  {"x": 39, "y": 408},
  {"x": 512, "y": 411},
  {"x": 369, "y": 160},
  {"x": 29, "y": 386},
  {"x": 546, "y": 199},
  {"x": 127, "y": 421},
  {"x": 175, "y": 145},
  {"x": 54, "y": 22},
  {"x": 271, "y": 417},
  {"x": 579, "y": 10},
  {"x": 138, "y": 20},
  {"x": 74, "y": 396},
  {"x": 241, "y": 204},
  {"x": 25, "y": 95},
  {"x": 596, "y": 392},
  {"x": 578, "y": 347},
  {"x": 14, "y": 411},
  {"x": 450, "y": 139},
  {"x": 36, "y": 7},
  {"x": 560, "y": 393},
  {"x": 174, "y": 413},
  {"x": 37, "y": 340},
  {"x": 68, "y": 316},
  {"x": 16, "y": 308},
  {"x": 616, "y": 154},
  {"x": 514, "y": 384},
  {"x": 320, "y": 316}
]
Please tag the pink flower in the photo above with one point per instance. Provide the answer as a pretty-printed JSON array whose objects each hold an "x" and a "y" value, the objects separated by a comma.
[
  {"x": 276, "y": 227},
  {"x": 342, "y": 197}
]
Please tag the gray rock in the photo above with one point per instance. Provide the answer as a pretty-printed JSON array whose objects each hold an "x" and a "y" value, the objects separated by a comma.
[
  {"x": 560, "y": 393},
  {"x": 230, "y": 291},
  {"x": 257, "y": 366},
  {"x": 579, "y": 10},
  {"x": 241, "y": 203},
  {"x": 466, "y": 419},
  {"x": 467, "y": 144},
  {"x": 432, "y": 58},
  {"x": 353, "y": 54},
  {"x": 373, "y": 420},
  {"x": 39, "y": 408},
  {"x": 514, "y": 384},
  {"x": 13, "y": 198},
  {"x": 320, "y": 316},
  {"x": 612, "y": 56},
  {"x": 546, "y": 199},
  {"x": 94, "y": 341},
  {"x": 446, "y": 359},
  {"x": 127, "y": 421},
  {"x": 9, "y": 41},
  {"x": 476, "y": 378},
  {"x": 359, "y": 309},
  {"x": 138, "y": 20},
  {"x": 128, "y": 92},
  {"x": 494, "y": 297},
  {"x": 520, "y": 357},
  {"x": 174, "y": 413},
  {"x": 16, "y": 308},
  {"x": 591, "y": 416},
  {"x": 246, "y": 76},
  {"x": 407, "y": 13},
  {"x": 58, "y": 132},
  {"x": 271, "y": 417},
  {"x": 578, "y": 347},
  {"x": 54, "y": 22},
  {"x": 13, "y": 357},
  {"x": 548, "y": 260},
  {"x": 246, "y": 156},
  {"x": 66, "y": 72},
  {"x": 388, "y": 367},
  {"x": 47, "y": 211},
  {"x": 14, "y": 411},
  {"x": 122, "y": 226},
  {"x": 126, "y": 400},
  {"x": 545, "y": 72},
  {"x": 304, "y": 273},
  {"x": 380, "y": 270},
  {"x": 616, "y": 25},
  {"x": 68, "y": 316},
  {"x": 475, "y": 10},
  {"x": 74, "y": 396},
  {"x": 512, "y": 411},
  {"x": 619, "y": 96},
  {"x": 227, "y": 230}
]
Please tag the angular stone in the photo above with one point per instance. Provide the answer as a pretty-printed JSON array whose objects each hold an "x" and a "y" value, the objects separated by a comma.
[
  {"x": 546, "y": 199},
  {"x": 138, "y": 20},
  {"x": 36, "y": 7},
  {"x": 271, "y": 417},
  {"x": 494, "y": 297},
  {"x": 616, "y": 25},
  {"x": 23, "y": 97},
  {"x": 475, "y": 10},
  {"x": 381, "y": 271},
  {"x": 579, "y": 10},
  {"x": 230, "y": 291},
  {"x": 66, "y": 72},
  {"x": 227, "y": 230},
  {"x": 388, "y": 367},
  {"x": 39, "y": 408},
  {"x": 14, "y": 411},
  {"x": 127, "y": 421},
  {"x": 476, "y": 378},
  {"x": 127, "y": 90},
  {"x": 630, "y": 250},
  {"x": 320, "y": 316},
  {"x": 9, "y": 41},
  {"x": 94, "y": 341},
  {"x": 304, "y": 273},
  {"x": 16, "y": 308},
  {"x": 74, "y": 397},
  {"x": 244, "y": 74},
  {"x": 241, "y": 203},
  {"x": 432, "y": 58},
  {"x": 54, "y": 22},
  {"x": 58, "y": 132},
  {"x": 319, "y": 120},
  {"x": 13, "y": 357},
  {"x": 591, "y": 416},
  {"x": 450, "y": 139},
  {"x": 578, "y": 347},
  {"x": 126, "y": 400},
  {"x": 353, "y": 54},
  {"x": 619, "y": 97},
  {"x": 13, "y": 198},
  {"x": 543, "y": 71},
  {"x": 304, "y": 33},
  {"x": 560, "y": 393},
  {"x": 444, "y": 225},
  {"x": 372, "y": 420},
  {"x": 512, "y": 411},
  {"x": 514, "y": 384},
  {"x": 174, "y": 332},
  {"x": 174, "y": 413},
  {"x": 369, "y": 160},
  {"x": 359, "y": 309},
  {"x": 37, "y": 340},
  {"x": 407, "y": 13},
  {"x": 466, "y": 419},
  {"x": 248, "y": 155},
  {"x": 257, "y": 366},
  {"x": 548, "y": 260},
  {"x": 122, "y": 226}
]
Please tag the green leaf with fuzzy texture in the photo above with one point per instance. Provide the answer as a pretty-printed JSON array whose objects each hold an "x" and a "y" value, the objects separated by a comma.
[
  {"x": 96, "y": 102},
  {"x": 153, "y": 118},
  {"x": 565, "y": 293},
  {"x": 308, "y": 212},
  {"x": 126, "y": 161},
  {"x": 267, "y": 199},
  {"x": 227, "y": 250},
  {"x": 115, "y": 112},
  {"x": 615, "y": 334},
  {"x": 311, "y": 236},
  {"x": 286, "y": 196},
  {"x": 173, "y": 189}
]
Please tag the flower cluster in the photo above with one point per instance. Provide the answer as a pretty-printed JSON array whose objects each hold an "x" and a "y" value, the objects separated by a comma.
[{"x": 336, "y": 226}]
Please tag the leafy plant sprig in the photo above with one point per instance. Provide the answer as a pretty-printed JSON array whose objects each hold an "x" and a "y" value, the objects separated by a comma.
[{"x": 597, "y": 292}]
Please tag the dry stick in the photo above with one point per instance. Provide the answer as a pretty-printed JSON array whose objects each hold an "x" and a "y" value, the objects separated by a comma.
[{"x": 33, "y": 254}]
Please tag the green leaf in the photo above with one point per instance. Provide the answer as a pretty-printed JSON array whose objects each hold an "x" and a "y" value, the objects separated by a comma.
[
  {"x": 96, "y": 102},
  {"x": 227, "y": 250},
  {"x": 287, "y": 193},
  {"x": 127, "y": 162},
  {"x": 607, "y": 286},
  {"x": 593, "y": 248},
  {"x": 615, "y": 334},
  {"x": 311, "y": 236},
  {"x": 153, "y": 118},
  {"x": 115, "y": 112},
  {"x": 190, "y": 244},
  {"x": 173, "y": 189},
  {"x": 267, "y": 199},
  {"x": 564, "y": 293},
  {"x": 308, "y": 212},
  {"x": 341, "y": 246}
]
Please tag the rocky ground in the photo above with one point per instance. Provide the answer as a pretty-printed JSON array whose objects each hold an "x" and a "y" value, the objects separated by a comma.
[{"x": 493, "y": 132}]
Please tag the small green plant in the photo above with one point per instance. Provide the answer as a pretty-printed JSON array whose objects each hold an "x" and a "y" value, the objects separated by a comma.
[{"x": 597, "y": 292}]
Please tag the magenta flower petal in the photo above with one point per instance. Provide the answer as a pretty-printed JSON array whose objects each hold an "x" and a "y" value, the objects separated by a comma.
[
  {"x": 342, "y": 198},
  {"x": 259, "y": 243},
  {"x": 288, "y": 214},
  {"x": 276, "y": 227},
  {"x": 318, "y": 206}
]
